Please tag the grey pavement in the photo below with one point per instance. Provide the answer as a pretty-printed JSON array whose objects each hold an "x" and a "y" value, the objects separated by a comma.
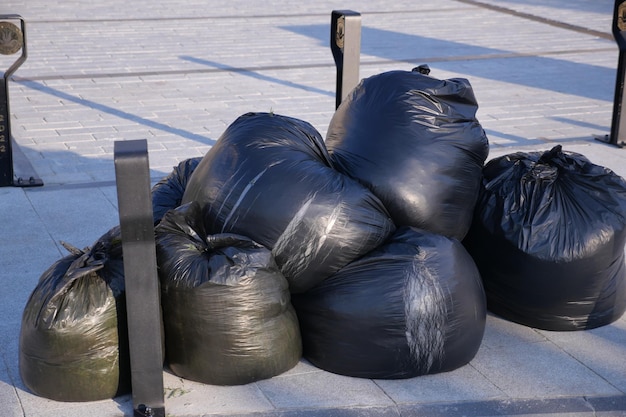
[{"x": 178, "y": 72}]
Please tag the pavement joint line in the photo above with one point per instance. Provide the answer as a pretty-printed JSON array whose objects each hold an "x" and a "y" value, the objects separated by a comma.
[
  {"x": 539, "y": 19},
  {"x": 224, "y": 17}
]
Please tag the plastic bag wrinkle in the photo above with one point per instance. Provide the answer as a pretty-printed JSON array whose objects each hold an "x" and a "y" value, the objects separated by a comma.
[{"x": 425, "y": 312}]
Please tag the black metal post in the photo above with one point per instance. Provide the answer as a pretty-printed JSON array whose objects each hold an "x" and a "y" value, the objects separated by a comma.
[
  {"x": 617, "y": 136},
  {"x": 618, "y": 130},
  {"x": 6, "y": 153},
  {"x": 143, "y": 305},
  {"x": 12, "y": 40},
  {"x": 345, "y": 44}
]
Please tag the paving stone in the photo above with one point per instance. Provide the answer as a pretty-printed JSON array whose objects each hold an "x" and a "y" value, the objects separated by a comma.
[{"x": 179, "y": 73}]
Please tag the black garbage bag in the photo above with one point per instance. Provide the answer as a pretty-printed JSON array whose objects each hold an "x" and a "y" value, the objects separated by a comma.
[
  {"x": 168, "y": 193},
  {"x": 548, "y": 238},
  {"x": 74, "y": 340},
  {"x": 413, "y": 306},
  {"x": 415, "y": 142},
  {"x": 227, "y": 310},
  {"x": 269, "y": 177}
]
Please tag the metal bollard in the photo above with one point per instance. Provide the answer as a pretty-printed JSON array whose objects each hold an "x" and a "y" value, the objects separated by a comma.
[
  {"x": 132, "y": 174},
  {"x": 618, "y": 128},
  {"x": 12, "y": 40},
  {"x": 345, "y": 44}
]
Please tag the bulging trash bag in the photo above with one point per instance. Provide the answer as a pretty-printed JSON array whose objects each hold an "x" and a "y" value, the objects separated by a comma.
[
  {"x": 227, "y": 310},
  {"x": 413, "y": 306},
  {"x": 269, "y": 177},
  {"x": 168, "y": 193},
  {"x": 74, "y": 339},
  {"x": 415, "y": 142},
  {"x": 548, "y": 238}
]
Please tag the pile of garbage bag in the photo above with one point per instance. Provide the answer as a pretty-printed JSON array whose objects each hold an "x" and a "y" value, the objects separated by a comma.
[{"x": 375, "y": 253}]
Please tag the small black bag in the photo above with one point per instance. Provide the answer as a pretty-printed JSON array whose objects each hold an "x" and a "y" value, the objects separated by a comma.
[
  {"x": 168, "y": 193},
  {"x": 548, "y": 238}
]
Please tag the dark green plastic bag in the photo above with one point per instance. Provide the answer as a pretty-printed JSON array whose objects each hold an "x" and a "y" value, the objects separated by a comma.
[
  {"x": 227, "y": 309},
  {"x": 73, "y": 339}
]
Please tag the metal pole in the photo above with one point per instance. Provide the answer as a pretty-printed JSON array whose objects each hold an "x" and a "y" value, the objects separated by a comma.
[
  {"x": 345, "y": 44},
  {"x": 617, "y": 136},
  {"x": 12, "y": 40},
  {"x": 618, "y": 130},
  {"x": 6, "y": 153},
  {"x": 132, "y": 174}
]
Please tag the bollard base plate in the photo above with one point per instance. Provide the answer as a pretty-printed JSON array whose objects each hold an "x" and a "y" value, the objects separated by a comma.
[
  {"x": 24, "y": 174},
  {"x": 607, "y": 139},
  {"x": 145, "y": 411}
]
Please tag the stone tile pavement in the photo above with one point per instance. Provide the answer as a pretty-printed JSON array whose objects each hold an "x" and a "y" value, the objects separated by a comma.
[{"x": 177, "y": 73}]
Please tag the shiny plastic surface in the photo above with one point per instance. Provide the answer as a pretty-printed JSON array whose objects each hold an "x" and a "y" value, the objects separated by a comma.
[
  {"x": 226, "y": 306},
  {"x": 413, "y": 306},
  {"x": 415, "y": 142},
  {"x": 269, "y": 177},
  {"x": 73, "y": 339},
  {"x": 548, "y": 238},
  {"x": 168, "y": 192}
]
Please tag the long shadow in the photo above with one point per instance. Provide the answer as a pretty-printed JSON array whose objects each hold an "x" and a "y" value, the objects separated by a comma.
[
  {"x": 570, "y": 121},
  {"x": 546, "y": 73},
  {"x": 518, "y": 139},
  {"x": 580, "y": 5},
  {"x": 34, "y": 85},
  {"x": 254, "y": 74}
]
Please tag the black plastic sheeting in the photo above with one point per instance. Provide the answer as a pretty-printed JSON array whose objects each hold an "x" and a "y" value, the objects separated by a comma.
[
  {"x": 548, "y": 237},
  {"x": 74, "y": 339},
  {"x": 411, "y": 307},
  {"x": 227, "y": 310},
  {"x": 415, "y": 142},
  {"x": 168, "y": 193},
  {"x": 269, "y": 177}
]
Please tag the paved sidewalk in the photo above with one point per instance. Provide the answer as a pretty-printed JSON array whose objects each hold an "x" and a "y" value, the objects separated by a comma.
[{"x": 178, "y": 73}]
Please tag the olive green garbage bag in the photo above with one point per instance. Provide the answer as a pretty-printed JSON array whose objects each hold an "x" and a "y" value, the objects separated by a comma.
[
  {"x": 227, "y": 309},
  {"x": 73, "y": 338}
]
